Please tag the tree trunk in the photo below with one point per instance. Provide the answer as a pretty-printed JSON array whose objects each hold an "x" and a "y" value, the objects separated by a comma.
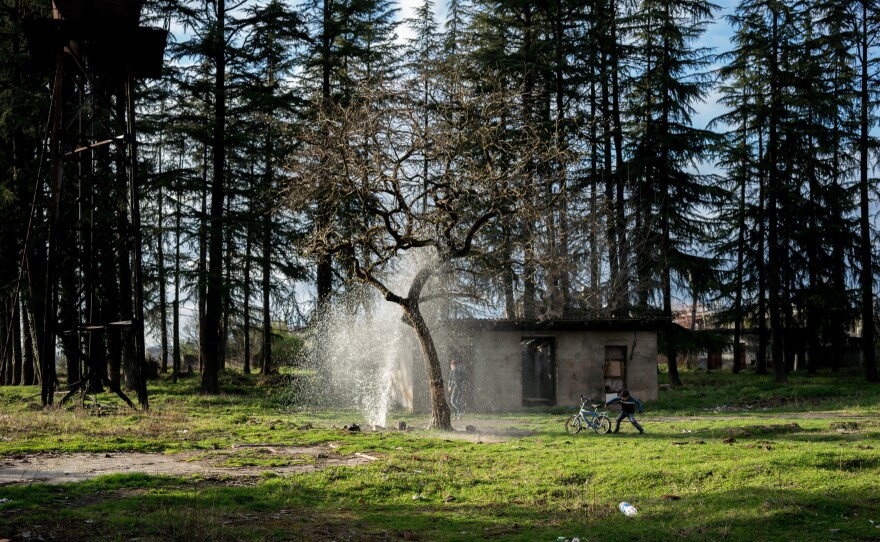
[
  {"x": 324, "y": 263},
  {"x": 28, "y": 372},
  {"x": 227, "y": 290},
  {"x": 212, "y": 348},
  {"x": 175, "y": 316},
  {"x": 740, "y": 258},
  {"x": 773, "y": 237},
  {"x": 266, "y": 358},
  {"x": 124, "y": 258},
  {"x": 17, "y": 328},
  {"x": 163, "y": 303},
  {"x": 865, "y": 253},
  {"x": 595, "y": 302},
  {"x": 440, "y": 416},
  {"x": 614, "y": 64},
  {"x": 6, "y": 315},
  {"x": 246, "y": 293},
  {"x": 203, "y": 259},
  {"x": 49, "y": 306},
  {"x": 761, "y": 363},
  {"x": 617, "y": 287},
  {"x": 529, "y": 286},
  {"x": 665, "y": 212}
]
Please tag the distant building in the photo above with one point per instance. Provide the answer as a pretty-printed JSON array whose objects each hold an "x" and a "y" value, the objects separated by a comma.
[{"x": 514, "y": 364}]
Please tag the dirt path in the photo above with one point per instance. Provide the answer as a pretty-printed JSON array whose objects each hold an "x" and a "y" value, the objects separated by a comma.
[{"x": 244, "y": 461}]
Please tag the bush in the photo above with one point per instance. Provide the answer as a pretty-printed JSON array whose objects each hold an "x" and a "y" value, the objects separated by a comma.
[{"x": 288, "y": 351}]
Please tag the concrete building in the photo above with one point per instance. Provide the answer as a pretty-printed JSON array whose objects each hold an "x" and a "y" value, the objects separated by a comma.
[{"x": 517, "y": 364}]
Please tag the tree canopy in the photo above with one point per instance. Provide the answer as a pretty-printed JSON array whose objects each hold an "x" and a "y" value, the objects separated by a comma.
[{"x": 545, "y": 152}]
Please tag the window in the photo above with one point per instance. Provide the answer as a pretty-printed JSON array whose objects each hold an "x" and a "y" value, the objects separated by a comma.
[{"x": 615, "y": 368}]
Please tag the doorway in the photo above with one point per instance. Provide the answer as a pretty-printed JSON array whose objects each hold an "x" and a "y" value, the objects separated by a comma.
[
  {"x": 615, "y": 369},
  {"x": 538, "y": 371}
]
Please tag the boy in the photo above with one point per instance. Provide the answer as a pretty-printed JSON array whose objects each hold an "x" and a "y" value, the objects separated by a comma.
[
  {"x": 456, "y": 388},
  {"x": 628, "y": 406}
]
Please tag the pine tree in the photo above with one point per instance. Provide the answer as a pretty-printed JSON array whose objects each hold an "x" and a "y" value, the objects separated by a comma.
[
  {"x": 352, "y": 40},
  {"x": 867, "y": 23},
  {"x": 666, "y": 146},
  {"x": 269, "y": 106},
  {"x": 23, "y": 102}
]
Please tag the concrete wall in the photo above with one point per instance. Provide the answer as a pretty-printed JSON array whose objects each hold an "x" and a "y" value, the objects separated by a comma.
[
  {"x": 496, "y": 366},
  {"x": 580, "y": 363}
]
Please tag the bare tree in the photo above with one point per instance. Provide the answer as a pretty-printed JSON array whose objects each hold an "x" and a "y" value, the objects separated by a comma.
[{"x": 369, "y": 158}]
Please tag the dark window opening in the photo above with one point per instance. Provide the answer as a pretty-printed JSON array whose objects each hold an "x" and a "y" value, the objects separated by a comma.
[
  {"x": 615, "y": 368},
  {"x": 538, "y": 371}
]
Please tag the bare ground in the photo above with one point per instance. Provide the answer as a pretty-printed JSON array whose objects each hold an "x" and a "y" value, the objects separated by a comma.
[
  {"x": 238, "y": 462},
  {"x": 76, "y": 467}
]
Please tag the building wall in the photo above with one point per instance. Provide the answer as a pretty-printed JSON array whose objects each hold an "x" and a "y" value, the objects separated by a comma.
[
  {"x": 496, "y": 366},
  {"x": 581, "y": 364}
]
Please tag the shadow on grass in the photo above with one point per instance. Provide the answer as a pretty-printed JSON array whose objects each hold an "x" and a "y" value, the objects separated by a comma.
[{"x": 157, "y": 508}]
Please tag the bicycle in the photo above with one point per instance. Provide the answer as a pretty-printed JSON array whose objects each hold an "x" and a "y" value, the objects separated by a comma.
[{"x": 597, "y": 421}]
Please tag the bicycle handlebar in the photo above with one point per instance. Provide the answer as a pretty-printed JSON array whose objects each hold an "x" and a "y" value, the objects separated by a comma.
[{"x": 587, "y": 400}]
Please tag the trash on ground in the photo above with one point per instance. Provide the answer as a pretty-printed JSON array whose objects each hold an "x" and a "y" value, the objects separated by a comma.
[{"x": 628, "y": 509}]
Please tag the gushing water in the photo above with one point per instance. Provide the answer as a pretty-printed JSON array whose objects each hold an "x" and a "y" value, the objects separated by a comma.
[
  {"x": 360, "y": 353},
  {"x": 361, "y": 348}
]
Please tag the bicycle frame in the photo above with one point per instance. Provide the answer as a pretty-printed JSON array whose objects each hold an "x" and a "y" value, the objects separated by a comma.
[{"x": 595, "y": 420}]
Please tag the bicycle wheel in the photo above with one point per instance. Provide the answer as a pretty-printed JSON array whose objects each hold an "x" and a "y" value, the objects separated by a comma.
[
  {"x": 573, "y": 425},
  {"x": 602, "y": 425}
]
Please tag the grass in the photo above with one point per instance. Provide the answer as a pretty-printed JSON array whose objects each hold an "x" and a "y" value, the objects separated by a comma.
[{"x": 726, "y": 457}]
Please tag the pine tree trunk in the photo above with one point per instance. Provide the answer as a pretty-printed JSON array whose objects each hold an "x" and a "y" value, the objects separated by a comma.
[
  {"x": 865, "y": 253},
  {"x": 175, "y": 316},
  {"x": 266, "y": 357},
  {"x": 212, "y": 347},
  {"x": 761, "y": 363},
  {"x": 203, "y": 259},
  {"x": 324, "y": 263},
  {"x": 773, "y": 236},
  {"x": 163, "y": 303},
  {"x": 246, "y": 293},
  {"x": 740, "y": 258},
  {"x": 29, "y": 359},
  {"x": 17, "y": 329}
]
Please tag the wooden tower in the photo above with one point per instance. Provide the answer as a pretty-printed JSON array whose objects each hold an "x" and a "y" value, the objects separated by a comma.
[{"x": 93, "y": 288}]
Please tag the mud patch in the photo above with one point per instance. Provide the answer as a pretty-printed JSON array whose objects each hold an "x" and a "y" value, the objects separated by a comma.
[
  {"x": 243, "y": 461},
  {"x": 845, "y": 427},
  {"x": 485, "y": 432},
  {"x": 771, "y": 429}
]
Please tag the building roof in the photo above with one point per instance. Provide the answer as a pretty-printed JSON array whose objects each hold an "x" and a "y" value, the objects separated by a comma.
[{"x": 597, "y": 324}]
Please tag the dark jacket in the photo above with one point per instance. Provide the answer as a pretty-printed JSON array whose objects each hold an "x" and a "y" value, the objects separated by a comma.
[
  {"x": 627, "y": 405},
  {"x": 456, "y": 377}
]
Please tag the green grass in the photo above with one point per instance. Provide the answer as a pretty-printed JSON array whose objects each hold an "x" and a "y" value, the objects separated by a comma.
[{"x": 727, "y": 457}]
